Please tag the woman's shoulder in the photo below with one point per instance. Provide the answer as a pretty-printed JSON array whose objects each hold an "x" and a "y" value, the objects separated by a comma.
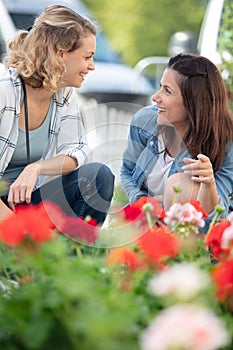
[
  {"x": 7, "y": 76},
  {"x": 9, "y": 83},
  {"x": 229, "y": 151},
  {"x": 66, "y": 97}
]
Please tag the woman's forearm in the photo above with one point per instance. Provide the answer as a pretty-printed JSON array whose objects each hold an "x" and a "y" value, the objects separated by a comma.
[
  {"x": 60, "y": 164},
  {"x": 208, "y": 196},
  {"x": 21, "y": 189}
]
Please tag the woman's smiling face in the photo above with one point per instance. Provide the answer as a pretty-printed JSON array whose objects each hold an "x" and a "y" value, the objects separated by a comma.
[
  {"x": 79, "y": 62},
  {"x": 171, "y": 110}
]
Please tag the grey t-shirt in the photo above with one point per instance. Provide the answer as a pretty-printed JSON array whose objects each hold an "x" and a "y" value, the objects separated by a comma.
[{"x": 38, "y": 139}]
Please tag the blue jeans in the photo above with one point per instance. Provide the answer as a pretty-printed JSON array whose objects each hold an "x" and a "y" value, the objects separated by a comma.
[{"x": 86, "y": 191}]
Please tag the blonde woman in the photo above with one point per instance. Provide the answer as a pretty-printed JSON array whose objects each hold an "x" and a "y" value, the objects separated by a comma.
[{"x": 43, "y": 150}]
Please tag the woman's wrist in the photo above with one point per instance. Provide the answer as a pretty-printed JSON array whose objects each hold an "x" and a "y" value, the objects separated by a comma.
[{"x": 36, "y": 166}]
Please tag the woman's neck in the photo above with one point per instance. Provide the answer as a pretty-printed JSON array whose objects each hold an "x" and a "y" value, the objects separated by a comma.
[
  {"x": 38, "y": 94},
  {"x": 172, "y": 142}
]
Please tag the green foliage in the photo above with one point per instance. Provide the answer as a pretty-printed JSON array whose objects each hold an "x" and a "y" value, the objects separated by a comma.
[
  {"x": 63, "y": 295},
  {"x": 226, "y": 45},
  {"x": 139, "y": 29},
  {"x": 70, "y": 303},
  {"x": 66, "y": 302}
]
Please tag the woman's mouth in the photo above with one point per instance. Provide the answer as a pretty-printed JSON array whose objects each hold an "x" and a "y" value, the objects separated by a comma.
[
  {"x": 83, "y": 75},
  {"x": 161, "y": 109}
]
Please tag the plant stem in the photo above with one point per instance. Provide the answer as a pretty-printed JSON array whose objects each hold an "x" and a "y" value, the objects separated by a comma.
[
  {"x": 149, "y": 220},
  {"x": 79, "y": 251}
]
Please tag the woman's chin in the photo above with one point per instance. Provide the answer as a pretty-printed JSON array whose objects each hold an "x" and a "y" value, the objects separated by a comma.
[{"x": 161, "y": 121}]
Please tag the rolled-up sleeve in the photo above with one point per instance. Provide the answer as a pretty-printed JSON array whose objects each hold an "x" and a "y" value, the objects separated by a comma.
[
  {"x": 71, "y": 135},
  {"x": 143, "y": 120}
]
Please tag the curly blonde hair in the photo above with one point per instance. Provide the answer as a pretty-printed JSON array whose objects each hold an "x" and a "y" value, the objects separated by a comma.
[{"x": 34, "y": 53}]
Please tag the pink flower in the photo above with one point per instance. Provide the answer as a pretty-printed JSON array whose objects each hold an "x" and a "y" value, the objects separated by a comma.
[
  {"x": 184, "y": 213},
  {"x": 186, "y": 327},
  {"x": 180, "y": 281},
  {"x": 230, "y": 218}
]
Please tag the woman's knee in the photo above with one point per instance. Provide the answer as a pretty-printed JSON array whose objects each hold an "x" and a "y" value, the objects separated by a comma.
[
  {"x": 179, "y": 186},
  {"x": 102, "y": 176}
]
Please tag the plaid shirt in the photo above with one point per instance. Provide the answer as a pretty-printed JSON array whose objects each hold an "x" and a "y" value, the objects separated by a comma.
[{"x": 66, "y": 132}]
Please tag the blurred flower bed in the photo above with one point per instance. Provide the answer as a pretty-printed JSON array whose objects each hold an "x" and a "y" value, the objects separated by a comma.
[{"x": 149, "y": 280}]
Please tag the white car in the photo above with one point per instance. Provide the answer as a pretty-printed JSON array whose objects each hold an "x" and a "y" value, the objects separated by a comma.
[
  {"x": 208, "y": 41},
  {"x": 210, "y": 34}
]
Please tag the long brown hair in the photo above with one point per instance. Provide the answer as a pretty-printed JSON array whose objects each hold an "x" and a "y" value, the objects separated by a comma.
[{"x": 205, "y": 99}]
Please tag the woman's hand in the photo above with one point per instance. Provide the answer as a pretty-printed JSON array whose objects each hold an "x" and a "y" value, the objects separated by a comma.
[
  {"x": 21, "y": 189},
  {"x": 199, "y": 169}
]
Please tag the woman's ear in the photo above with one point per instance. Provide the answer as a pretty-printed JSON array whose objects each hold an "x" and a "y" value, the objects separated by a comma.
[{"x": 60, "y": 53}]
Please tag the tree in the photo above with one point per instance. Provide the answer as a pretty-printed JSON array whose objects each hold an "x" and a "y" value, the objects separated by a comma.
[
  {"x": 226, "y": 46},
  {"x": 139, "y": 29}
]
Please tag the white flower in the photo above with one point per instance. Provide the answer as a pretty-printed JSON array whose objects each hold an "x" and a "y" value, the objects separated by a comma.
[
  {"x": 181, "y": 281},
  {"x": 230, "y": 218},
  {"x": 227, "y": 237},
  {"x": 183, "y": 213},
  {"x": 186, "y": 327}
]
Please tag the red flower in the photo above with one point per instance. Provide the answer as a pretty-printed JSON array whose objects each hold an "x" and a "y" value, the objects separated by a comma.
[
  {"x": 53, "y": 214},
  {"x": 119, "y": 256},
  {"x": 222, "y": 275},
  {"x": 137, "y": 210},
  {"x": 157, "y": 244},
  {"x": 75, "y": 228},
  {"x": 213, "y": 239},
  {"x": 90, "y": 221},
  {"x": 38, "y": 221},
  {"x": 27, "y": 221},
  {"x": 132, "y": 213},
  {"x": 79, "y": 230},
  {"x": 11, "y": 231},
  {"x": 26, "y": 279},
  {"x": 157, "y": 210}
]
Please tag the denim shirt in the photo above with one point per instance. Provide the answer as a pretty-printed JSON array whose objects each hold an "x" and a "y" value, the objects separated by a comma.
[{"x": 141, "y": 154}]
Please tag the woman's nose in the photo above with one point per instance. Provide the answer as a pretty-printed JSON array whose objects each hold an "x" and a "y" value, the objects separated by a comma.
[
  {"x": 91, "y": 65},
  {"x": 155, "y": 97}
]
